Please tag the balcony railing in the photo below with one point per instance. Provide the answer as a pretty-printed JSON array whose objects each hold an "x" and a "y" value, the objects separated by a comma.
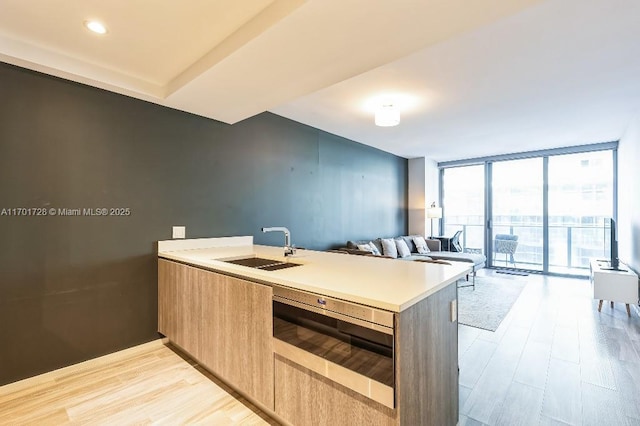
[{"x": 570, "y": 246}]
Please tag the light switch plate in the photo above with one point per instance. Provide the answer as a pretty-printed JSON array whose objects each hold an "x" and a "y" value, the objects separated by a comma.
[
  {"x": 179, "y": 231},
  {"x": 454, "y": 310}
]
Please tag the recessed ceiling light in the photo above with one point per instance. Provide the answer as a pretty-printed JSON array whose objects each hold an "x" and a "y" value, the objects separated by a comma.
[{"x": 96, "y": 27}]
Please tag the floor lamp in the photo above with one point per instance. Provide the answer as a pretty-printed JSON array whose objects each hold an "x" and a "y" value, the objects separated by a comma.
[{"x": 434, "y": 212}]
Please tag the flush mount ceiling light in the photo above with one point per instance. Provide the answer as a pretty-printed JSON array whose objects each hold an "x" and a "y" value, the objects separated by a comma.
[
  {"x": 387, "y": 115},
  {"x": 96, "y": 27}
]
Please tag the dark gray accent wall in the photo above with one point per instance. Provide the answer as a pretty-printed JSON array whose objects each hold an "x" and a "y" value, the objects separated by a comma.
[{"x": 76, "y": 287}]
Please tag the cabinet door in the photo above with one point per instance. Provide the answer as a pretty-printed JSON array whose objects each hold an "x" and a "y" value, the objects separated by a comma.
[
  {"x": 236, "y": 336},
  {"x": 179, "y": 305},
  {"x": 225, "y": 323},
  {"x": 168, "y": 277},
  {"x": 306, "y": 398},
  {"x": 427, "y": 361}
]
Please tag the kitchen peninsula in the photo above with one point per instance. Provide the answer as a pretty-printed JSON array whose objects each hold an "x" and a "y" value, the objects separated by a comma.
[{"x": 318, "y": 337}]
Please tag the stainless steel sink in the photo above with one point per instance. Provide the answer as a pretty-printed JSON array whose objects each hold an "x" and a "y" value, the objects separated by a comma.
[
  {"x": 253, "y": 262},
  {"x": 261, "y": 263},
  {"x": 279, "y": 266}
]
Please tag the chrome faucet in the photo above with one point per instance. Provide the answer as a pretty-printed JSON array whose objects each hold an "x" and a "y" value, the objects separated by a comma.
[{"x": 289, "y": 250}]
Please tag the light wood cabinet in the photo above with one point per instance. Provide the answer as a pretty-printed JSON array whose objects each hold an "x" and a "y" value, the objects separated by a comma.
[
  {"x": 168, "y": 277},
  {"x": 223, "y": 322},
  {"x": 305, "y": 398},
  {"x": 226, "y": 324},
  {"x": 237, "y": 333},
  {"x": 179, "y": 305},
  {"x": 427, "y": 360},
  {"x": 426, "y": 365}
]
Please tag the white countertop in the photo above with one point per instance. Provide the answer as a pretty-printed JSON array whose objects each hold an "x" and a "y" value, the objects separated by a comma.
[{"x": 388, "y": 284}]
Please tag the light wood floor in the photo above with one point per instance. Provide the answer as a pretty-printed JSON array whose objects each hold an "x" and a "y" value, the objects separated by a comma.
[
  {"x": 149, "y": 384},
  {"x": 553, "y": 361}
]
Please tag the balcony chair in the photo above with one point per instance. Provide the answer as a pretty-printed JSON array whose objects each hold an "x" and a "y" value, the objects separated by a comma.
[
  {"x": 451, "y": 243},
  {"x": 454, "y": 242},
  {"x": 505, "y": 244}
]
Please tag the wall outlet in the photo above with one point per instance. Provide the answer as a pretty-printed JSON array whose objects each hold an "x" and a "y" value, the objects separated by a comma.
[{"x": 179, "y": 231}]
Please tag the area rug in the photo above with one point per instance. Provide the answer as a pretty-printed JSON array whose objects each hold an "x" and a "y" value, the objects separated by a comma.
[{"x": 487, "y": 305}]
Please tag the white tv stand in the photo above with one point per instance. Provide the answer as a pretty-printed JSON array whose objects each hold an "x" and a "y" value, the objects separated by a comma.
[{"x": 616, "y": 286}]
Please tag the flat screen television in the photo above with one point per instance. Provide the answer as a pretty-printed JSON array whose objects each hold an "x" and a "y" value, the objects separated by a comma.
[{"x": 611, "y": 237}]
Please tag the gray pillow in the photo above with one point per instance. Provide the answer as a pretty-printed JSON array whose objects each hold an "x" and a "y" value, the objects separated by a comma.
[
  {"x": 403, "y": 249},
  {"x": 421, "y": 245},
  {"x": 409, "y": 240},
  {"x": 389, "y": 247},
  {"x": 378, "y": 244}
]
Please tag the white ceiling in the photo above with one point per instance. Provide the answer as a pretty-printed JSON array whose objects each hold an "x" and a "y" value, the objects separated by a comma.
[
  {"x": 561, "y": 73},
  {"x": 472, "y": 78}
]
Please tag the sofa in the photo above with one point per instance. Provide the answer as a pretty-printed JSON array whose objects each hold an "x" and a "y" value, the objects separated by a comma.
[{"x": 434, "y": 252}]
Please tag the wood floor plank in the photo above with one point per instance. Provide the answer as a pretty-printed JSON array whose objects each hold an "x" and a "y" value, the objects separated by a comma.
[
  {"x": 468, "y": 421},
  {"x": 548, "y": 421},
  {"x": 598, "y": 371},
  {"x": 565, "y": 345},
  {"x": 493, "y": 384},
  {"x": 568, "y": 315},
  {"x": 496, "y": 336},
  {"x": 474, "y": 361},
  {"x": 636, "y": 346},
  {"x": 592, "y": 341},
  {"x": 466, "y": 336},
  {"x": 602, "y": 406},
  {"x": 563, "y": 393},
  {"x": 544, "y": 326},
  {"x": 156, "y": 386},
  {"x": 50, "y": 397},
  {"x": 534, "y": 364},
  {"x": 521, "y": 404},
  {"x": 627, "y": 378},
  {"x": 632, "y": 326},
  {"x": 463, "y": 395},
  {"x": 37, "y": 417},
  {"x": 620, "y": 346},
  {"x": 612, "y": 318},
  {"x": 526, "y": 311}
]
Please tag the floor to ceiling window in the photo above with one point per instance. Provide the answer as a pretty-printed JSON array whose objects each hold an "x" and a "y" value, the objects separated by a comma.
[
  {"x": 463, "y": 196},
  {"x": 517, "y": 214},
  {"x": 546, "y": 210},
  {"x": 580, "y": 198}
]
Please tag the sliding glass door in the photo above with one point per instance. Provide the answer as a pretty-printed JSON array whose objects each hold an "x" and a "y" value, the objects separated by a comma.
[
  {"x": 545, "y": 212},
  {"x": 517, "y": 214}
]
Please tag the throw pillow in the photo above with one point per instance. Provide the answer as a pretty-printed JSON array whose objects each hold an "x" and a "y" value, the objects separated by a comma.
[
  {"x": 421, "y": 245},
  {"x": 409, "y": 240},
  {"x": 389, "y": 247},
  {"x": 403, "y": 248},
  {"x": 377, "y": 243},
  {"x": 365, "y": 247},
  {"x": 352, "y": 245},
  {"x": 374, "y": 249}
]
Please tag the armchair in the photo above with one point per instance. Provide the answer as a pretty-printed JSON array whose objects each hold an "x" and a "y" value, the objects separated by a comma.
[{"x": 505, "y": 244}]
